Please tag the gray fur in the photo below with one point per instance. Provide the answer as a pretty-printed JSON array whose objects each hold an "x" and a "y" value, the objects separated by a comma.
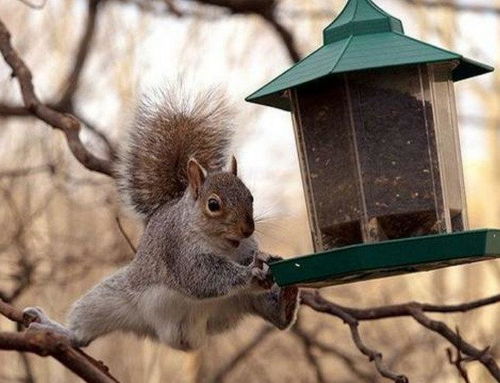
[{"x": 197, "y": 272}]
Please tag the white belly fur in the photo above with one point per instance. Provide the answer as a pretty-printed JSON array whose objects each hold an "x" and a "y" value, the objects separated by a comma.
[{"x": 176, "y": 320}]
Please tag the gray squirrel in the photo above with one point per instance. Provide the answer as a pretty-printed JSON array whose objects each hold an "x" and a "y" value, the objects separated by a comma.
[{"x": 198, "y": 270}]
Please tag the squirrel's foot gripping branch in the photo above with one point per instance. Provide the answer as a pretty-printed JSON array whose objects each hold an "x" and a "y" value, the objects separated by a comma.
[
  {"x": 37, "y": 320},
  {"x": 49, "y": 339}
]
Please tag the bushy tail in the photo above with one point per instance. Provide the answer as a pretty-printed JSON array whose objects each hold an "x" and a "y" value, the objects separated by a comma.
[{"x": 170, "y": 127}]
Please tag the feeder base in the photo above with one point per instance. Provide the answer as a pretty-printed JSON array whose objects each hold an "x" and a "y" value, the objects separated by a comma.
[{"x": 377, "y": 260}]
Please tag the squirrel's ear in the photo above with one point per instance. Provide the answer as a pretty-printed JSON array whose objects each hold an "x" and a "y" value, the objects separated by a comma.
[
  {"x": 196, "y": 176},
  {"x": 234, "y": 166}
]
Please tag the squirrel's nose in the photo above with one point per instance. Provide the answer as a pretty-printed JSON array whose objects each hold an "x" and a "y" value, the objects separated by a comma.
[{"x": 247, "y": 228}]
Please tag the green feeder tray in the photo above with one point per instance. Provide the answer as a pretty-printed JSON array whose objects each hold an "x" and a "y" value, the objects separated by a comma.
[{"x": 367, "y": 261}]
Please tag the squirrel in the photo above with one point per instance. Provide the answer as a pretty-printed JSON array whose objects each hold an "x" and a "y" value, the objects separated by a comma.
[{"x": 198, "y": 269}]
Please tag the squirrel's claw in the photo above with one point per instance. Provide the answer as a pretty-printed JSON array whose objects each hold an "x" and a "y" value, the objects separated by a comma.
[
  {"x": 266, "y": 257},
  {"x": 34, "y": 314},
  {"x": 35, "y": 319},
  {"x": 261, "y": 276}
]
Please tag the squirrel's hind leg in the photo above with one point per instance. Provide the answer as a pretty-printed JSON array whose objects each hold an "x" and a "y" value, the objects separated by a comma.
[{"x": 278, "y": 306}]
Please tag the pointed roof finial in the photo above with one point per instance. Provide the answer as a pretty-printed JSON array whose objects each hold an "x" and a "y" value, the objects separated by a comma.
[{"x": 360, "y": 17}]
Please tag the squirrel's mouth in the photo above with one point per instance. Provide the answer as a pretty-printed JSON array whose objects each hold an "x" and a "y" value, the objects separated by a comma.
[{"x": 233, "y": 242}]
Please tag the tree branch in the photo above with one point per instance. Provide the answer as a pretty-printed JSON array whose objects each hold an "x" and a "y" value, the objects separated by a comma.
[
  {"x": 67, "y": 123},
  {"x": 482, "y": 356},
  {"x": 243, "y": 353},
  {"x": 391, "y": 311},
  {"x": 285, "y": 35},
  {"x": 458, "y": 361},
  {"x": 267, "y": 10},
  {"x": 348, "y": 361},
  {"x": 45, "y": 343},
  {"x": 318, "y": 303},
  {"x": 308, "y": 345},
  {"x": 71, "y": 84},
  {"x": 124, "y": 234},
  {"x": 351, "y": 316}
]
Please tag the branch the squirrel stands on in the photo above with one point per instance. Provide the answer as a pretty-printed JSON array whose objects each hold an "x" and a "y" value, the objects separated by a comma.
[{"x": 45, "y": 343}]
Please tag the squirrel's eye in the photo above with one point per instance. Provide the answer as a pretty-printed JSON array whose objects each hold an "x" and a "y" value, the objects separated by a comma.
[{"x": 213, "y": 205}]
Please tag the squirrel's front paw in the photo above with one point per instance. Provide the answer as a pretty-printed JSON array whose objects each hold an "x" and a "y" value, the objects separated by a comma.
[
  {"x": 261, "y": 276},
  {"x": 266, "y": 257}
]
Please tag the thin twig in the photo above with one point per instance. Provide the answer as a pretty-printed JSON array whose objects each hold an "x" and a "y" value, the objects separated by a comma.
[
  {"x": 457, "y": 362},
  {"x": 243, "y": 353},
  {"x": 347, "y": 360},
  {"x": 285, "y": 35},
  {"x": 308, "y": 345},
  {"x": 399, "y": 310},
  {"x": 71, "y": 84},
  {"x": 316, "y": 302},
  {"x": 482, "y": 356},
  {"x": 122, "y": 231}
]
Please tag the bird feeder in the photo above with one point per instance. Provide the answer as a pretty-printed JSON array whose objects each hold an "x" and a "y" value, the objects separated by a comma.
[{"x": 376, "y": 130}]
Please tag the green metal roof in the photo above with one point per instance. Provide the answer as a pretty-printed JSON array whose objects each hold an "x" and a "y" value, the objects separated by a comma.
[
  {"x": 367, "y": 261},
  {"x": 362, "y": 37}
]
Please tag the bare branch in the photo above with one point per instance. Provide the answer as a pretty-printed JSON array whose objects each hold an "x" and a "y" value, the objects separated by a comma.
[
  {"x": 374, "y": 355},
  {"x": 392, "y": 311},
  {"x": 45, "y": 343},
  {"x": 412, "y": 309},
  {"x": 315, "y": 301},
  {"x": 243, "y": 353},
  {"x": 483, "y": 356},
  {"x": 67, "y": 123},
  {"x": 458, "y": 361},
  {"x": 348, "y": 361},
  {"x": 308, "y": 345},
  {"x": 285, "y": 35},
  {"x": 11, "y": 312},
  {"x": 267, "y": 9},
  {"x": 7, "y": 110},
  {"x": 71, "y": 84},
  {"x": 111, "y": 150},
  {"x": 127, "y": 238}
]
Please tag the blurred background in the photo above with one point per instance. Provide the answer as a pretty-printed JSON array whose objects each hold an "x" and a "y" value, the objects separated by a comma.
[{"x": 59, "y": 231}]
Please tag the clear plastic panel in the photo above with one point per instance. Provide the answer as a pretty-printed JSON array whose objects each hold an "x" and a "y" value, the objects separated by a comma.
[
  {"x": 448, "y": 143},
  {"x": 397, "y": 152},
  {"x": 328, "y": 162},
  {"x": 380, "y": 155}
]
